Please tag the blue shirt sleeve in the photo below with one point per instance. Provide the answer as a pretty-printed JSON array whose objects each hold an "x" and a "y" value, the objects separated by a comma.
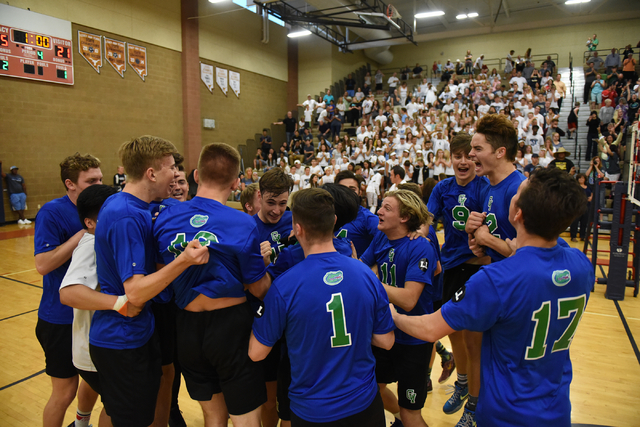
[
  {"x": 270, "y": 327},
  {"x": 251, "y": 259},
  {"x": 434, "y": 205},
  {"x": 127, "y": 242},
  {"x": 48, "y": 233},
  {"x": 421, "y": 264},
  {"x": 368, "y": 257},
  {"x": 478, "y": 309},
  {"x": 383, "y": 322}
]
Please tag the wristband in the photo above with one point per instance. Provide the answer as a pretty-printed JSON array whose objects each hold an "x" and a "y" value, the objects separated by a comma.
[{"x": 121, "y": 305}]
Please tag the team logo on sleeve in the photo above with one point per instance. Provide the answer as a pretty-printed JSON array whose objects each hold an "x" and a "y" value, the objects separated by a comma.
[
  {"x": 561, "y": 277},
  {"x": 457, "y": 297},
  {"x": 424, "y": 264},
  {"x": 198, "y": 221},
  {"x": 275, "y": 236},
  {"x": 392, "y": 253},
  {"x": 332, "y": 278}
]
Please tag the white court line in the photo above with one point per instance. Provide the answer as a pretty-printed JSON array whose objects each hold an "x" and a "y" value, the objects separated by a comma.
[
  {"x": 24, "y": 271},
  {"x": 610, "y": 315}
]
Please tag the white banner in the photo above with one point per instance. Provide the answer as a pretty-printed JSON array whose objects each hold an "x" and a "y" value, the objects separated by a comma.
[
  {"x": 206, "y": 74},
  {"x": 234, "y": 82},
  {"x": 222, "y": 79}
]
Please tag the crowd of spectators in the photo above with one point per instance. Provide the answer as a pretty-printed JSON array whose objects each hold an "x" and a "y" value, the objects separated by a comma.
[{"x": 404, "y": 134}]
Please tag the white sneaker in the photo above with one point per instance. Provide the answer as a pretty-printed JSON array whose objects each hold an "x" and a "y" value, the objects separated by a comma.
[
  {"x": 26, "y": 221},
  {"x": 21, "y": 222}
]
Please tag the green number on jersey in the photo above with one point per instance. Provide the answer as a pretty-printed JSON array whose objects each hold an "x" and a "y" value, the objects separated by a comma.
[
  {"x": 541, "y": 316},
  {"x": 178, "y": 244},
  {"x": 342, "y": 233},
  {"x": 460, "y": 215},
  {"x": 392, "y": 275},
  {"x": 340, "y": 338},
  {"x": 492, "y": 223},
  {"x": 274, "y": 253}
]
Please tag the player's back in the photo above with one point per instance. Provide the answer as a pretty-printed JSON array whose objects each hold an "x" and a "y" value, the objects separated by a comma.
[
  {"x": 334, "y": 305},
  {"x": 361, "y": 230},
  {"x": 234, "y": 248},
  {"x": 539, "y": 296}
]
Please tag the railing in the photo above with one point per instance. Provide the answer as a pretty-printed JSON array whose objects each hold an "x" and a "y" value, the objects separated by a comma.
[
  {"x": 587, "y": 53},
  {"x": 541, "y": 57}
]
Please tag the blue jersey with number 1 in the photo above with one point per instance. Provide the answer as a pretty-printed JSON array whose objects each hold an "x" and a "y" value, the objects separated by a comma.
[
  {"x": 496, "y": 205},
  {"x": 274, "y": 233},
  {"x": 454, "y": 203},
  {"x": 328, "y": 306},
  {"x": 528, "y": 306}
]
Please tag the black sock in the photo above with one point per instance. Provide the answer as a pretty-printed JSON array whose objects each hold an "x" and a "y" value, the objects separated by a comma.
[
  {"x": 442, "y": 351},
  {"x": 472, "y": 403}
]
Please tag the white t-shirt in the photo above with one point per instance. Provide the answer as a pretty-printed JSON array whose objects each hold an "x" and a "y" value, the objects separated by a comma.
[
  {"x": 295, "y": 177},
  {"x": 82, "y": 271},
  {"x": 520, "y": 81},
  {"x": 393, "y": 81}
]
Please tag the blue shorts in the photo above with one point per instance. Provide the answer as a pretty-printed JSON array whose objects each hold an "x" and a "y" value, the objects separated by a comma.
[{"x": 18, "y": 201}]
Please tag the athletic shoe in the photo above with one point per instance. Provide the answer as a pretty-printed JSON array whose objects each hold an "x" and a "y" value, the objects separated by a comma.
[
  {"x": 447, "y": 369},
  {"x": 458, "y": 395},
  {"x": 397, "y": 423},
  {"x": 26, "y": 221},
  {"x": 429, "y": 386},
  {"x": 21, "y": 222},
  {"x": 468, "y": 419}
]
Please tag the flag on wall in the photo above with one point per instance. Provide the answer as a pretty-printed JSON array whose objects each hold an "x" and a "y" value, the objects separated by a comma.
[
  {"x": 234, "y": 82},
  {"x": 114, "y": 54},
  {"x": 90, "y": 47},
  {"x": 206, "y": 74},
  {"x": 222, "y": 80},
  {"x": 138, "y": 59}
]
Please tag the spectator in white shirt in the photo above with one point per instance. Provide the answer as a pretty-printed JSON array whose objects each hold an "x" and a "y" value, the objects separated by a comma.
[{"x": 393, "y": 83}]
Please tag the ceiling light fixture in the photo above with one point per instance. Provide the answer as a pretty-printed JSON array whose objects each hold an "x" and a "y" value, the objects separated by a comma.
[
  {"x": 462, "y": 16},
  {"x": 299, "y": 33},
  {"x": 472, "y": 15},
  {"x": 576, "y": 1},
  {"x": 429, "y": 14},
  {"x": 216, "y": 1}
]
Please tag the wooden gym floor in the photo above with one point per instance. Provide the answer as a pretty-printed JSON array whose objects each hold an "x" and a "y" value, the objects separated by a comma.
[{"x": 606, "y": 362}]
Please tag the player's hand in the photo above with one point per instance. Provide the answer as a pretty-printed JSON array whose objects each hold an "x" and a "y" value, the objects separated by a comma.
[
  {"x": 483, "y": 235},
  {"x": 475, "y": 247},
  {"x": 394, "y": 312},
  {"x": 475, "y": 220},
  {"x": 132, "y": 310},
  {"x": 265, "y": 251},
  {"x": 195, "y": 253},
  {"x": 354, "y": 253},
  {"x": 512, "y": 245}
]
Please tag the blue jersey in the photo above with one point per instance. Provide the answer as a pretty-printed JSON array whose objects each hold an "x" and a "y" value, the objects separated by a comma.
[
  {"x": 401, "y": 261},
  {"x": 438, "y": 280},
  {"x": 124, "y": 247},
  {"x": 56, "y": 223},
  {"x": 157, "y": 207},
  {"x": 528, "y": 307},
  {"x": 496, "y": 205},
  {"x": 274, "y": 233},
  {"x": 328, "y": 306},
  {"x": 454, "y": 203},
  {"x": 234, "y": 248},
  {"x": 292, "y": 255},
  {"x": 361, "y": 230}
]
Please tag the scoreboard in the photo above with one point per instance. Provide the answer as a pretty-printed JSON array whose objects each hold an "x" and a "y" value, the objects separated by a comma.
[{"x": 43, "y": 53}]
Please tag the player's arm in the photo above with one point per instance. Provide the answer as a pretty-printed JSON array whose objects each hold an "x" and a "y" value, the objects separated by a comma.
[
  {"x": 429, "y": 327},
  {"x": 384, "y": 341},
  {"x": 141, "y": 288},
  {"x": 257, "y": 350},
  {"x": 484, "y": 237},
  {"x": 84, "y": 298},
  {"x": 259, "y": 288},
  {"x": 46, "y": 262},
  {"x": 406, "y": 298}
]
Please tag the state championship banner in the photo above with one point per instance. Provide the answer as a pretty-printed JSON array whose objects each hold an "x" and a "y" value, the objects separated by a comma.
[
  {"x": 90, "y": 47},
  {"x": 115, "y": 55},
  {"x": 222, "y": 80},
  {"x": 234, "y": 82},
  {"x": 138, "y": 59},
  {"x": 206, "y": 74}
]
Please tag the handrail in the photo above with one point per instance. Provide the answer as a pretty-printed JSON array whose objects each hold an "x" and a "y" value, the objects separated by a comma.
[{"x": 587, "y": 53}]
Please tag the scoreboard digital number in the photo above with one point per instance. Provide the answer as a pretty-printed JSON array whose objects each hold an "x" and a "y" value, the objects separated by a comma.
[{"x": 35, "y": 56}]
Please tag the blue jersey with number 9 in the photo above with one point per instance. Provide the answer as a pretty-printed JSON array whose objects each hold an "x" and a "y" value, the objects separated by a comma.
[{"x": 528, "y": 306}]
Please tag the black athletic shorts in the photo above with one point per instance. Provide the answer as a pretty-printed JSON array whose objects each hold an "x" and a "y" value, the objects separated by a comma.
[
  {"x": 283, "y": 403},
  {"x": 455, "y": 278},
  {"x": 129, "y": 382},
  {"x": 56, "y": 342},
  {"x": 213, "y": 351},
  {"x": 165, "y": 317},
  {"x": 409, "y": 366},
  {"x": 270, "y": 364},
  {"x": 373, "y": 416},
  {"x": 91, "y": 378}
]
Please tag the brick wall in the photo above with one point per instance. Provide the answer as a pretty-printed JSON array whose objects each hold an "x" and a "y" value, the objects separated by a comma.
[{"x": 44, "y": 122}]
